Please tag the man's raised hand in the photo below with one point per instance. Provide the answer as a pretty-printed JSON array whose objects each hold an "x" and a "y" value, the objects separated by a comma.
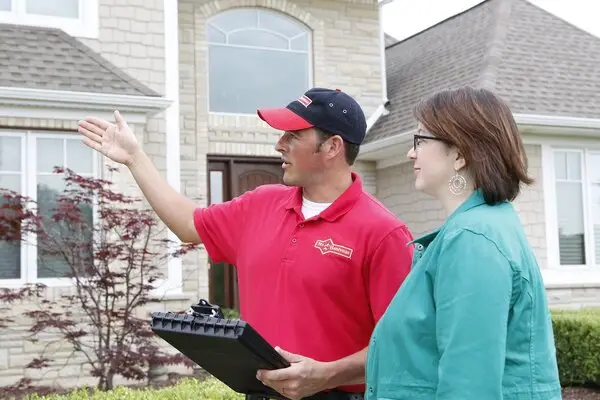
[{"x": 115, "y": 140}]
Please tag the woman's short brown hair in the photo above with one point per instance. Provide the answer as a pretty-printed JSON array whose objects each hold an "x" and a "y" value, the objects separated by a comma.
[{"x": 481, "y": 126}]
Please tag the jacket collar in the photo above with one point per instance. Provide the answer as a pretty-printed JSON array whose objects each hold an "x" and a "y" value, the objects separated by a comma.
[
  {"x": 339, "y": 207},
  {"x": 474, "y": 200}
]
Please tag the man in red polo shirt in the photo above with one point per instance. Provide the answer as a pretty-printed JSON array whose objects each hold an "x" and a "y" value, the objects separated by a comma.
[{"x": 318, "y": 259}]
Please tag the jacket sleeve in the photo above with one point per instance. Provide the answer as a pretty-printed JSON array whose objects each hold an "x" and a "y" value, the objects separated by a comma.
[{"x": 472, "y": 291}]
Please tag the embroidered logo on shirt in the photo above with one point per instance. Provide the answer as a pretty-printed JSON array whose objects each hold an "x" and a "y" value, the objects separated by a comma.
[{"x": 327, "y": 246}]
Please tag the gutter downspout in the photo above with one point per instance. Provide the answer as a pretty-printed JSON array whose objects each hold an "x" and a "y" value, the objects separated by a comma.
[
  {"x": 174, "y": 282},
  {"x": 381, "y": 110}
]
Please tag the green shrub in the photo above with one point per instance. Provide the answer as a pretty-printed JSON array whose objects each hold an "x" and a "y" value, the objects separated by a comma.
[
  {"x": 209, "y": 389},
  {"x": 577, "y": 336},
  {"x": 230, "y": 313}
]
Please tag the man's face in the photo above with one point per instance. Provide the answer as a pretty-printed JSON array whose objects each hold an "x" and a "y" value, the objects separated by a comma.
[{"x": 302, "y": 160}]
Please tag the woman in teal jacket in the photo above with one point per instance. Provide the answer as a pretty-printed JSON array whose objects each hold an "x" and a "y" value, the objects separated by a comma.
[{"x": 471, "y": 321}]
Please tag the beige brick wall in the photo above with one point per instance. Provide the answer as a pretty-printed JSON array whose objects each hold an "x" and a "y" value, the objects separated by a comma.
[
  {"x": 423, "y": 214},
  {"x": 368, "y": 174},
  {"x": 131, "y": 36}
]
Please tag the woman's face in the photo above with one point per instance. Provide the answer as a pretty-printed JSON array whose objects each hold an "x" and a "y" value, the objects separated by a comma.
[{"x": 434, "y": 163}]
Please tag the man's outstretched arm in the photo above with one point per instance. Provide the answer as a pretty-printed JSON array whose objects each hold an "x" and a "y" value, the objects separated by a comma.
[{"x": 117, "y": 142}]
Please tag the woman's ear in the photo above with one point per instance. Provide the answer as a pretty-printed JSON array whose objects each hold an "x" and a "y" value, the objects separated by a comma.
[{"x": 459, "y": 161}]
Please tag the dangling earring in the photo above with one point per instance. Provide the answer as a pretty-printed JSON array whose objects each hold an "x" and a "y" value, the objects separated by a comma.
[{"x": 457, "y": 184}]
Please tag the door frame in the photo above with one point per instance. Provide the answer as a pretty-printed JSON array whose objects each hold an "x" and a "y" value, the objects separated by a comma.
[{"x": 230, "y": 292}]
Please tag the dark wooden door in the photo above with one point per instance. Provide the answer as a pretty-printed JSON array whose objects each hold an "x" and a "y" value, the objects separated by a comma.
[{"x": 229, "y": 178}]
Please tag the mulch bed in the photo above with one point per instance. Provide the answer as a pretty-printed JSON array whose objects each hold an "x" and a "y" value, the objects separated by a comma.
[{"x": 581, "y": 393}]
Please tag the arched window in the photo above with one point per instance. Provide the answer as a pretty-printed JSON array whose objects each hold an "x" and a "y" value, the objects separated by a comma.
[{"x": 257, "y": 58}]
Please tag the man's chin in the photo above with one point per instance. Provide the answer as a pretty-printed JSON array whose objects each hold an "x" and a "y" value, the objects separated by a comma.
[{"x": 289, "y": 180}]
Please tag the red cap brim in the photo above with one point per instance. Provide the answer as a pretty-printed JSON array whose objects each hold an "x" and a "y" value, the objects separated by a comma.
[{"x": 283, "y": 119}]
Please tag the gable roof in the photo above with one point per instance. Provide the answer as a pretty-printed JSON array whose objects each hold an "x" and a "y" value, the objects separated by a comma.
[
  {"x": 44, "y": 58},
  {"x": 536, "y": 61},
  {"x": 389, "y": 39}
]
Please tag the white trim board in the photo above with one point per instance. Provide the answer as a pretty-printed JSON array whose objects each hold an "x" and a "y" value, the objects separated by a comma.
[{"x": 69, "y": 105}]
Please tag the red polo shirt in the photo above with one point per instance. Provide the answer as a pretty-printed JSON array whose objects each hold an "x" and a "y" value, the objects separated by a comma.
[{"x": 314, "y": 287}]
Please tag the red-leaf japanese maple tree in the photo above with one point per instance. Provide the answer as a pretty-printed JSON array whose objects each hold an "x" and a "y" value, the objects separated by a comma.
[{"x": 112, "y": 249}]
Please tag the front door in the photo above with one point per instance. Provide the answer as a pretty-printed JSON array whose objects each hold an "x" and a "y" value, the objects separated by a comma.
[{"x": 229, "y": 178}]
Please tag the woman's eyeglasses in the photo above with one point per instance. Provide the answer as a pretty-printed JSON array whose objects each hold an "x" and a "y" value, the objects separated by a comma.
[{"x": 417, "y": 140}]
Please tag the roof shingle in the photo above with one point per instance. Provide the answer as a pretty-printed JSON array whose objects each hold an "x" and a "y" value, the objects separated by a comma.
[
  {"x": 44, "y": 58},
  {"x": 536, "y": 61}
]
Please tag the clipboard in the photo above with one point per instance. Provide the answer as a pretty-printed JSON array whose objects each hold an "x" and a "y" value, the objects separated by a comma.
[{"x": 229, "y": 349}]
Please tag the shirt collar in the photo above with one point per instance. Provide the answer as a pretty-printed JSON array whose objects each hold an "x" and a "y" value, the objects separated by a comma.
[
  {"x": 339, "y": 207},
  {"x": 474, "y": 200}
]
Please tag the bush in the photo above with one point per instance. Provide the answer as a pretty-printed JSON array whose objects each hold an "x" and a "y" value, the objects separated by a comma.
[
  {"x": 577, "y": 336},
  {"x": 209, "y": 389}
]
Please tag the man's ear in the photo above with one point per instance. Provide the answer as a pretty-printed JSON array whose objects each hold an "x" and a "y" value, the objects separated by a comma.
[{"x": 335, "y": 146}]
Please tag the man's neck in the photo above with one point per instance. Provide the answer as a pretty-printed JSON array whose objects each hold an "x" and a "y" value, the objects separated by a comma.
[{"x": 329, "y": 188}]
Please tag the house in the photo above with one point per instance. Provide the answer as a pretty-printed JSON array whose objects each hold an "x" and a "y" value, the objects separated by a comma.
[
  {"x": 188, "y": 76},
  {"x": 549, "y": 72}
]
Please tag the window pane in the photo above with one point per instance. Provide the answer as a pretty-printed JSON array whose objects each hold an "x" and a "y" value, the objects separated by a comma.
[
  {"x": 66, "y": 244},
  {"x": 594, "y": 177},
  {"x": 49, "y": 187},
  {"x": 10, "y": 154},
  {"x": 11, "y": 182},
  {"x": 79, "y": 157},
  {"x": 215, "y": 35},
  {"x": 5, "y": 5},
  {"x": 279, "y": 23},
  {"x": 216, "y": 187},
  {"x": 574, "y": 165},
  {"x": 49, "y": 154},
  {"x": 10, "y": 250},
  {"x": 300, "y": 43},
  {"x": 259, "y": 39},
  {"x": 231, "y": 90},
  {"x": 54, "y": 8},
  {"x": 571, "y": 237},
  {"x": 235, "y": 19},
  {"x": 560, "y": 164}
]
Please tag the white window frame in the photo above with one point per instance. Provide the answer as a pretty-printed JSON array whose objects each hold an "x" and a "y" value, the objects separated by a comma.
[
  {"x": 309, "y": 52},
  {"x": 86, "y": 26},
  {"x": 29, "y": 189},
  {"x": 554, "y": 273}
]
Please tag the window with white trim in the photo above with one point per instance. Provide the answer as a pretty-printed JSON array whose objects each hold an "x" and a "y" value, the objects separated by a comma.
[
  {"x": 26, "y": 164},
  {"x": 78, "y": 18},
  {"x": 256, "y": 58},
  {"x": 576, "y": 176}
]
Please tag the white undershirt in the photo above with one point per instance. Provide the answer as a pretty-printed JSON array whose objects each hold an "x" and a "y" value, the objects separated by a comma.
[{"x": 310, "y": 208}]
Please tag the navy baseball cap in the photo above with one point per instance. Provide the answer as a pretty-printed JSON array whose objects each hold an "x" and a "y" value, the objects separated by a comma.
[{"x": 330, "y": 110}]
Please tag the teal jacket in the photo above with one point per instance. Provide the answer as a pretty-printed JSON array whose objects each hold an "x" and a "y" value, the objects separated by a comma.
[{"x": 471, "y": 320}]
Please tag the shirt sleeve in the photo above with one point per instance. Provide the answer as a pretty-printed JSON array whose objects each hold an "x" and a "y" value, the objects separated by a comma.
[
  {"x": 390, "y": 264},
  {"x": 220, "y": 227},
  {"x": 472, "y": 291}
]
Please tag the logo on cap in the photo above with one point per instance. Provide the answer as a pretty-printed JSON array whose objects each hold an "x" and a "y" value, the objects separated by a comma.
[{"x": 305, "y": 100}]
